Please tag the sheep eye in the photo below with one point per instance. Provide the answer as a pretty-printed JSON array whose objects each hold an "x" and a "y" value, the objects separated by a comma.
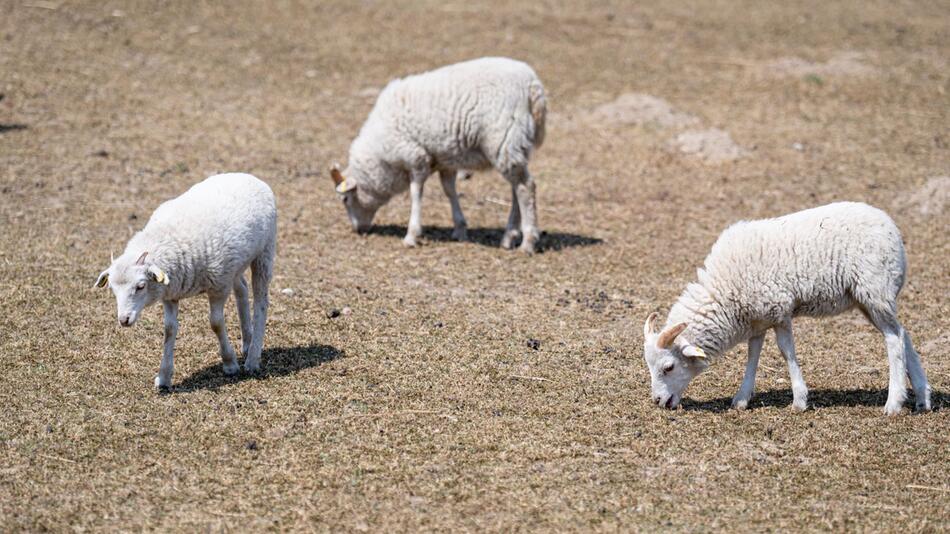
[
  {"x": 668, "y": 367},
  {"x": 140, "y": 286}
]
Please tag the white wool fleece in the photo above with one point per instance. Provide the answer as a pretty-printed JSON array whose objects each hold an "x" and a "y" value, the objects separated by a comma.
[
  {"x": 479, "y": 114},
  {"x": 760, "y": 274},
  {"x": 202, "y": 242}
]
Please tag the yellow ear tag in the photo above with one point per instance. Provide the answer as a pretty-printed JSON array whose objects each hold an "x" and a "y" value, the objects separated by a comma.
[
  {"x": 342, "y": 187},
  {"x": 161, "y": 277}
]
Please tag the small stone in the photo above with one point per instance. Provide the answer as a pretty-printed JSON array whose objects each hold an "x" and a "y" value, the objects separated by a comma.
[
  {"x": 534, "y": 344},
  {"x": 251, "y": 445},
  {"x": 439, "y": 324},
  {"x": 798, "y": 146},
  {"x": 287, "y": 291},
  {"x": 347, "y": 311},
  {"x": 333, "y": 313},
  {"x": 101, "y": 153},
  {"x": 133, "y": 217}
]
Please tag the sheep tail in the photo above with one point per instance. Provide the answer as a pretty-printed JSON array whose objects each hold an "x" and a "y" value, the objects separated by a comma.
[{"x": 539, "y": 110}]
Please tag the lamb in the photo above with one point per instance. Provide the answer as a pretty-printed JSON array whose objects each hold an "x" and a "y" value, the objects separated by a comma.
[
  {"x": 760, "y": 274},
  {"x": 478, "y": 114},
  {"x": 202, "y": 242}
]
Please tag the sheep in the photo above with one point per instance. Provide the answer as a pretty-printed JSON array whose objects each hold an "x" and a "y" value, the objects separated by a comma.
[
  {"x": 202, "y": 242},
  {"x": 761, "y": 274},
  {"x": 478, "y": 114}
]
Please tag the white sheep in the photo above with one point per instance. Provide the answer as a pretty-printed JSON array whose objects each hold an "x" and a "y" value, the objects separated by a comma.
[
  {"x": 479, "y": 114},
  {"x": 760, "y": 274},
  {"x": 202, "y": 242}
]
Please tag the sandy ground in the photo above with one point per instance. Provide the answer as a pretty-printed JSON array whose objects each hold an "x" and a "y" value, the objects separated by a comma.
[{"x": 426, "y": 408}]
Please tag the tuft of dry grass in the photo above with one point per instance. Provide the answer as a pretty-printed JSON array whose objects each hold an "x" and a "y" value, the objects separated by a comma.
[{"x": 425, "y": 407}]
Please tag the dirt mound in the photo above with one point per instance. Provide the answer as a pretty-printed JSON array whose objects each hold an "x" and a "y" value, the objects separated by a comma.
[
  {"x": 642, "y": 109},
  {"x": 930, "y": 199},
  {"x": 841, "y": 64},
  {"x": 713, "y": 145},
  {"x": 936, "y": 345}
]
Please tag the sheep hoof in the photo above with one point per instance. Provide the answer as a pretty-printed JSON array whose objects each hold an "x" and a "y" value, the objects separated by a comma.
[
  {"x": 508, "y": 240},
  {"x": 252, "y": 367},
  {"x": 799, "y": 405},
  {"x": 161, "y": 387},
  {"x": 460, "y": 233},
  {"x": 892, "y": 409},
  {"x": 231, "y": 368},
  {"x": 923, "y": 401},
  {"x": 410, "y": 242},
  {"x": 527, "y": 248},
  {"x": 740, "y": 403}
]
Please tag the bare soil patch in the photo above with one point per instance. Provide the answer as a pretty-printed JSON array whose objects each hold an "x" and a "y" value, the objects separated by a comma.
[
  {"x": 631, "y": 109},
  {"x": 712, "y": 146},
  {"x": 844, "y": 64},
  {"x": 931, "y": 199}
]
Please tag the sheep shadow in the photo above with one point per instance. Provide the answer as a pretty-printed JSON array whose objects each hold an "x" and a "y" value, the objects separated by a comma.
[
  {"x": 817, "y": 398},
  {"x": 279, "y": 361},
  {"x": 4, "y": 128},
  {"x": 489, "y": 237}
]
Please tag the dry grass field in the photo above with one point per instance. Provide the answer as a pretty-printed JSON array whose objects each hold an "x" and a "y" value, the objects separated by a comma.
[{"x": 424, "y": 407}]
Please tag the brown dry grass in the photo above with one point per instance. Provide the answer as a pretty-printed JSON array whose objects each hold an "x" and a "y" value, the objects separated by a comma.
[{"x": 424, "y": 408}]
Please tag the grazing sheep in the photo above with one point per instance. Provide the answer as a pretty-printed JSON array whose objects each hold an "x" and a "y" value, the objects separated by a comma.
[
  {"x": 479, "y": 114},
  {"x": 202, "y": 242},
  {"x": 760, "y": 274}
]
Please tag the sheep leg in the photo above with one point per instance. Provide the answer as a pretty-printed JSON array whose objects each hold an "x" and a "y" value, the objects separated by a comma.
[
  {"x": 244, "y": 313},
  {"x": 512, "y": 233},
  {"x": 216, "y": 318},
  {"x": 524, "y": 188},
  {"x": 786, "y": 344},
  {"x": 894, "y": 335},
  {"x": 261, "y": 271},
  {"x": 741, "y": 400},
  {"x": 917, "y": 376},
  {"x": 459, "y": 232},
  {"x": 417, "y": 180},
  {"x": 165, "y": 370},
  {"x": 526, "y": 203}
]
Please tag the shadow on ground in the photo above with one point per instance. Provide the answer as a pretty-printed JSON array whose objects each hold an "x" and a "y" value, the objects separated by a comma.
[
  {"x": 279, "y": 361},
  {"x": 4, "y": 128},
  {"x": 817, "y": 398},
  {"x": 489, "y": 237}
]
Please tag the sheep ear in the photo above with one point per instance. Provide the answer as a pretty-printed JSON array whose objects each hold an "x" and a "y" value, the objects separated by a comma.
[
  {"x": 342, "y": 184},
  {"x": 336, "y": 175},
  {"x": 692, "y": 351},
  {"x": 141, "y": 260},
  {"x": 103, "y": 279},
  {"x": 669, "y": 336},
  {"x": 649, "y": 327},
  {"x": 158, "y": 275}
]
